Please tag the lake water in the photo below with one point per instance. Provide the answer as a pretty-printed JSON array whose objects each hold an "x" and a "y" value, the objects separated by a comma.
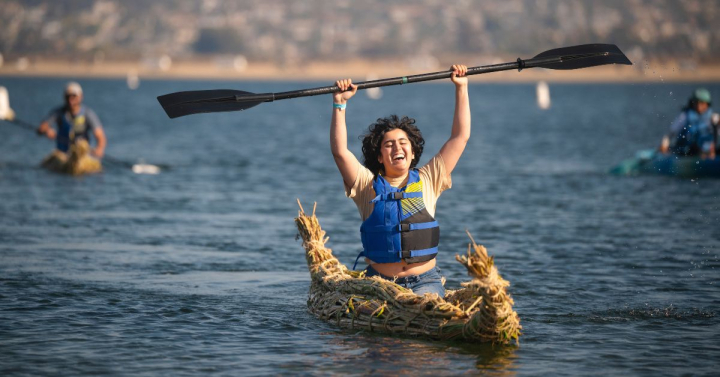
[{"x": 197, "y": 270}]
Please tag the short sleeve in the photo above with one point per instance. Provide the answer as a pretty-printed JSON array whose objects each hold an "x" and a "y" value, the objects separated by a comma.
[
  {"x": 435, "y": 174},
  {"x": 362, "y": 191},
  {"x": 677, "y": 125},
  {"x": 52, "y": 116},
  {"x": 435, "y": 180},
  {"x": 92, "y": 119}
]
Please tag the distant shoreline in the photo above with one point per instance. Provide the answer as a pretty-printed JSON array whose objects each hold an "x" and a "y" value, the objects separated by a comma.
[{"x": 358, "y": 70}]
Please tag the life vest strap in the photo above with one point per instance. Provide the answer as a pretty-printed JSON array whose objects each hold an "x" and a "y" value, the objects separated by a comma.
[
  {"x": 418, "y": 253},
  {"x": 390, "y": 258},
  {"x": 417, "y": 226},
  {"x": 362, "y": 254},
  {"x": 398, "y": 195},
  {"x": 399, "y": 227}
]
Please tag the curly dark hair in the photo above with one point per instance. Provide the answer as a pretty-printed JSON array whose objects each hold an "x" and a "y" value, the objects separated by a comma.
[{"x": 376, "y": 132}]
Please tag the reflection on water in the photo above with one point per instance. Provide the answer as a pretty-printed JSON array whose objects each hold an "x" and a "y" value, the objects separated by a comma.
[
  {"x": 492, "y": 359},
  {"x": 374, "y": 354}
]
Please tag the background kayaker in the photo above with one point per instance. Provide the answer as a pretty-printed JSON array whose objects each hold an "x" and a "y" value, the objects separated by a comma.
[
  {"x": 391, "y": 150},
  {"x": 692, "y": 132},
  {"x": 74, "y": 121}
]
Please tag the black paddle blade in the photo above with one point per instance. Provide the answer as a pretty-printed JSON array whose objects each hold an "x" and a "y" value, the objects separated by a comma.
[
  {"x": 210, "y": 101},
  {"x": 584, "y": 56}
]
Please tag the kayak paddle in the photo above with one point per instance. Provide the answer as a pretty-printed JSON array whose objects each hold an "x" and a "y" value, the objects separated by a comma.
[
  {"x": 8, "y": 115},
  {"x": 212, "y": 101}
]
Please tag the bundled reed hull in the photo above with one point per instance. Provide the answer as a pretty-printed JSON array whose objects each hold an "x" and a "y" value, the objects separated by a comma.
[
  {"x": 77, "y": 162},
  {"x": 481, "y": 311}
]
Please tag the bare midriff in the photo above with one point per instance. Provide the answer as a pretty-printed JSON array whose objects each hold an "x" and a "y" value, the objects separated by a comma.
[{"x": 402, "y": 269}]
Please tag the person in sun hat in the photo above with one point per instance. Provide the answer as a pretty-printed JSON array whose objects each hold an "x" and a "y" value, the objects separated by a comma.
[
  {"x": 396, "y": 201},
  {"x": 692, "y": 132},
  {"x": 74, "y": 121}
]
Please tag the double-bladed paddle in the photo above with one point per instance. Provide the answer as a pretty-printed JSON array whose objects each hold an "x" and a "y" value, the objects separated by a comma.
[{"x": 212, "y": 101}]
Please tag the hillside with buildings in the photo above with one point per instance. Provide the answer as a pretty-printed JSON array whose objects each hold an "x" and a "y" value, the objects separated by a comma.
[{"x": 287, "y": 32}]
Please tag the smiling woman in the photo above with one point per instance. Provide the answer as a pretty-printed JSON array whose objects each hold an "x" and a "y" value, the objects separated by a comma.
[{"x": 396, "y": 201}]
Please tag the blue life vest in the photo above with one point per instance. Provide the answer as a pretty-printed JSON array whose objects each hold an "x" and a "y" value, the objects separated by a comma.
[
  {"x": 71, "y": 129},
  {"x": 400, "y": 227},
  {"x": 697, "y": 131}
]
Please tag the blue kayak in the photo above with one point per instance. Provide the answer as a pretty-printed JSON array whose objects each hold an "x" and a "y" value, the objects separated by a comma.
[{"x": 653, "y": 162}]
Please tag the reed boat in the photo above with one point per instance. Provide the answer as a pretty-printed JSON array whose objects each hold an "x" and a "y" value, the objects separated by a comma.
[
  {"x": 77, "y": 162},
  {"x": 480, "y": 311}
]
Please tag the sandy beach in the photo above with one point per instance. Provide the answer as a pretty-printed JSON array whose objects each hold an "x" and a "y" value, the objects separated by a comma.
[{"x": 360, "y": 70}]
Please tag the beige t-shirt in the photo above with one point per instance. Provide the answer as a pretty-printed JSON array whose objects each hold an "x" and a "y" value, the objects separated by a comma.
[{"x": 433, "y": 176}]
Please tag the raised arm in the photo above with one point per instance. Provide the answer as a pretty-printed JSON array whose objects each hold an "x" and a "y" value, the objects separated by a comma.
[
  {"x": 454, "y": 147},
  {"x": 346, "y": 162}
]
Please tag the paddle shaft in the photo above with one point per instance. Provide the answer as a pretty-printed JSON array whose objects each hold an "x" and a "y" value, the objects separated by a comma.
[
  {"x": 21, "y": 123},
  {"x": 26, "y": 125},
  {"x": 519, "y": 65}
]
